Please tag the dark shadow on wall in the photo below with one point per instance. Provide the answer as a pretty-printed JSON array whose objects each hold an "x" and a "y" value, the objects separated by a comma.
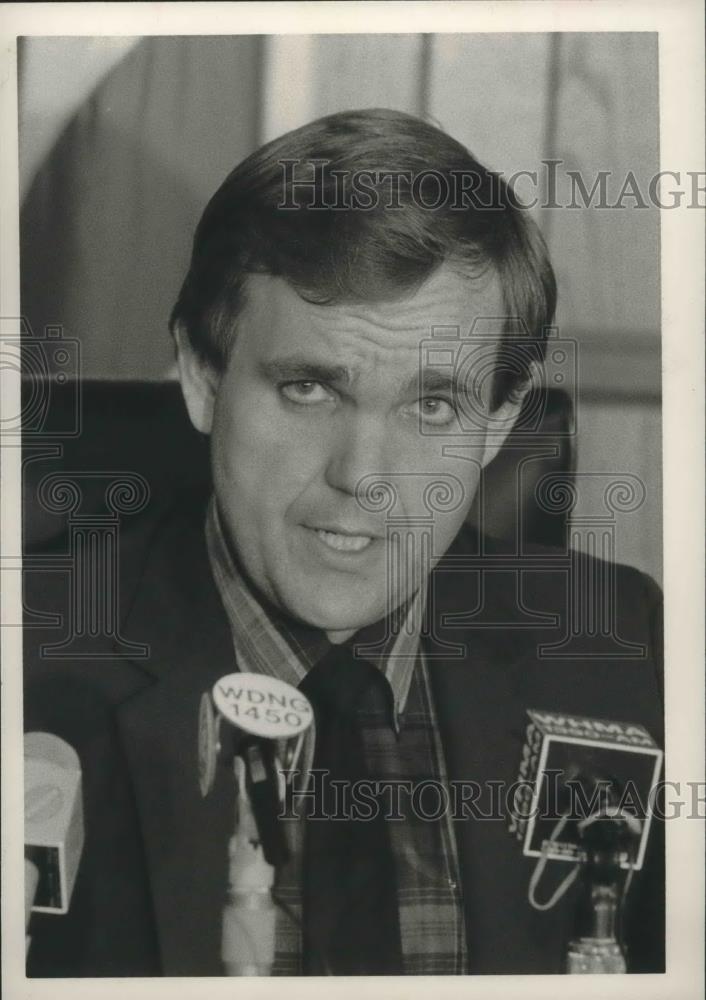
[{"x": 106, "y": 227}]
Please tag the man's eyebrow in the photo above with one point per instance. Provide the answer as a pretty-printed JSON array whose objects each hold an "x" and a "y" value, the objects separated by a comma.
[
  {"x": 302, "y": 369},
  {"x": 434, "y": 380}
]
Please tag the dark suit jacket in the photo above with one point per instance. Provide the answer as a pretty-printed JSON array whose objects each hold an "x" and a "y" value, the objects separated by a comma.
[{"x": 149, "y": 891}]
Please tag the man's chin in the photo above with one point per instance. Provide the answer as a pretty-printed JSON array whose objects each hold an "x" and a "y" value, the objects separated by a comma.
[
  {"x": 339, "y": 617},
  {"x": 336, "y": 603}
]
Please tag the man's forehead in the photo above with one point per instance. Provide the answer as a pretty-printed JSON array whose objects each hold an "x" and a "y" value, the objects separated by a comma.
[{"x": 447, "y": 305}]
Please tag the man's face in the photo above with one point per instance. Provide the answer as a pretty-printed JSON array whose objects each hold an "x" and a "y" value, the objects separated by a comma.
[{"x": 317, "y": 405}]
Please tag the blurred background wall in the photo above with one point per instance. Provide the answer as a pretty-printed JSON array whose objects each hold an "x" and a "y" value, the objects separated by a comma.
[{"x": 123, "y": 140}]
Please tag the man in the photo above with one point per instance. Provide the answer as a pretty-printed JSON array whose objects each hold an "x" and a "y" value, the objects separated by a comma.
[{"x": 363, "y": 317}]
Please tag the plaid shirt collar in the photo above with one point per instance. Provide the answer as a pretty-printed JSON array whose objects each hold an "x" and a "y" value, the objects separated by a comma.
[{"x": 267, "y": 641}]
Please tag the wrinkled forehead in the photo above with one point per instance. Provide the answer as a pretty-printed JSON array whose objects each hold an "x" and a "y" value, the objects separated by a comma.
[{"x": 448, "y": 307}]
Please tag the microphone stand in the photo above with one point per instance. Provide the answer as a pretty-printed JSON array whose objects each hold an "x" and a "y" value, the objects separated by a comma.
[
  {"x": 258, "y": 847},
  {"x": 248, "y": 927},
  {"x": 597, "y": 947}
]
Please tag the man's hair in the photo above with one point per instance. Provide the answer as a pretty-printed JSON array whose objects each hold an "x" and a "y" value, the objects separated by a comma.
[{"x": 363, "y": 206}]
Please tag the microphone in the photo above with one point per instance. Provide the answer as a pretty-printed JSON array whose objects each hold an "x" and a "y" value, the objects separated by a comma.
[
  {"x": 585, "y": 795},
  {"x": 252, "y": 722},
  {"x": 53, "y": 810}
]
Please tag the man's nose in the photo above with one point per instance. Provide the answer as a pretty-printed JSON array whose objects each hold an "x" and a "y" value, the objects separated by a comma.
[{"x": 358, "y": 449}]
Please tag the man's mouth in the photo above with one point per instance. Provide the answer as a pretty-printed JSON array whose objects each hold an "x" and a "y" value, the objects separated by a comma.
[{"x": 341, "y": 542}]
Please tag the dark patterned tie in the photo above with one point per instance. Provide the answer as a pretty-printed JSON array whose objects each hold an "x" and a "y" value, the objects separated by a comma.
[{"x": 351, "y": 910}]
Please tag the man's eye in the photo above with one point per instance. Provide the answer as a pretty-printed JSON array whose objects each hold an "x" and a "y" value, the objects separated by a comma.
[
  {"x": 305, "y": 392},
  {"x": 436, "y": 411}
]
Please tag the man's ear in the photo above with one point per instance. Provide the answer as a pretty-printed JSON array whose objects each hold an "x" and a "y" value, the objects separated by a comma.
[
  {"x": 502, "y": 420},
  {"x": 199, "y": 382}
]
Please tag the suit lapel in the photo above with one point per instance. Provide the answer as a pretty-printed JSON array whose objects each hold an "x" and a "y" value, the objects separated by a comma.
[
  {"x": 177, "y": 610},
  {"x": 481, "y": 700}
]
